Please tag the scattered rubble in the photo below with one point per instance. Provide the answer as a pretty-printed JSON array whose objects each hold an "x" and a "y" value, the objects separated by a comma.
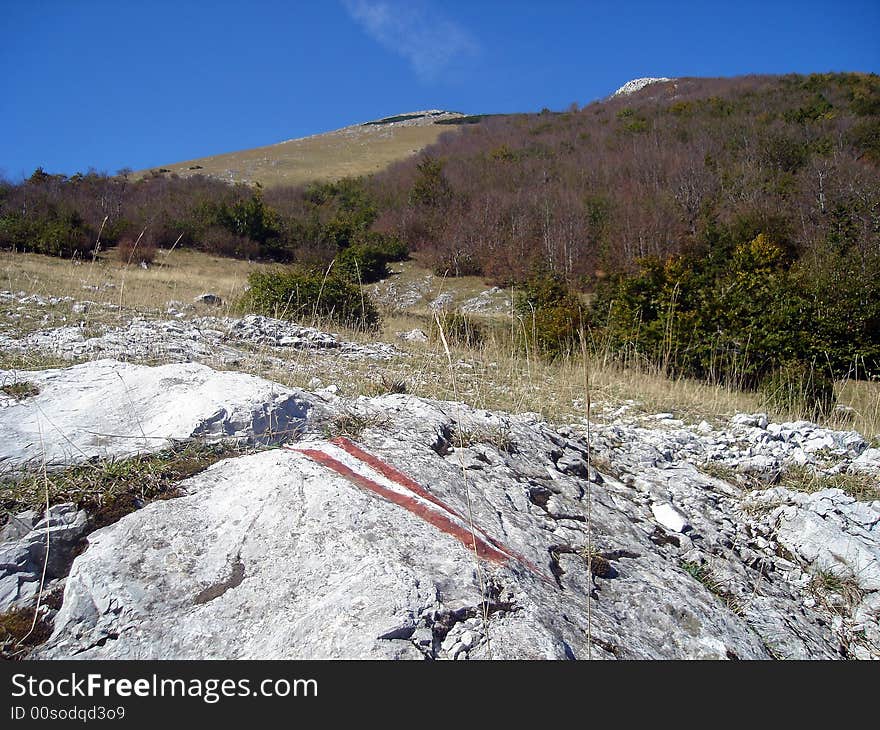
[{"x": 224, "y": 341}]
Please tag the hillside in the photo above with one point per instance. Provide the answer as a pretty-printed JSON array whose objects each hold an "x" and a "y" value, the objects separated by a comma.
[
  {"x": 721, "y": 229},
  {"x": 727, "y": 229},
  {"x": 651, "y": 170},
  {"x": 458, "y": 470},
  {"x": 358, "y": 149}
]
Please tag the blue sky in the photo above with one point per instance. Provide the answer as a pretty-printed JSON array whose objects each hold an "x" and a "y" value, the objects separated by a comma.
[{"x": 113, "y": 84}]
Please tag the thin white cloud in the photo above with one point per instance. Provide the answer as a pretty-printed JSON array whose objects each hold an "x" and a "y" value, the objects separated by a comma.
[{"x": 428, "y": 41}]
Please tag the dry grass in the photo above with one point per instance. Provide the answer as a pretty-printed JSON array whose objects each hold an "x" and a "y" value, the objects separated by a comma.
[
  {"x": 111, "y": 488},
  {"x": 497, "y": 375},
  {"x": 179, "y": 275},
  {"x": 20, "y": 390},
  {"x": 705, "y": 575},
  {"x": 352, "y": 424},
  {"x": 19, "y": 632},
  {"x": 352, "y": 151},
  {"x": 414, "y": 282},
  {"x": 864, "y": 398},
  {"x": 861, "y": 486}
]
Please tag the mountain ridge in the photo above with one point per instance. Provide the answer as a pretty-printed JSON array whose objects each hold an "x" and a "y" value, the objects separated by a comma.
[{"x": 355, "y": 149}]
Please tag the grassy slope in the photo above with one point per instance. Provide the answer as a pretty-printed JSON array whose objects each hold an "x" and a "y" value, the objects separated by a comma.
[
  {"x": 178, "y": 276},
  {"x": 355, "y": 150},
  {"x": 493, "y": 376}
]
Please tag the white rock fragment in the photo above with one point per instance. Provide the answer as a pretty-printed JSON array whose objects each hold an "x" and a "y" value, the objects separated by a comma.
[
  {"x": 415, "y": 335},
  {"x": 670, "y": 517},
  {"x": 869, "y": 461}
]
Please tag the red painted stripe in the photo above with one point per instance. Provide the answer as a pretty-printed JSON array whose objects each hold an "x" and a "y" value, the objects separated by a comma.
[
  {"x": 472, "y": 542},
  {"x": 395, "y": 475}
]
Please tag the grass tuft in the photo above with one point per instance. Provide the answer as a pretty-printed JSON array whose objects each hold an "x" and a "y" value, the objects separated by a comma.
[
  {"x": 352, "y": 424},
  {"x": 20, "y": 390},
  {"x": 704, "y": 574},
  {"x": 498, "y": 437},
  {"x": 860, "y": 486},
  {"x": 110, "y": 489}
]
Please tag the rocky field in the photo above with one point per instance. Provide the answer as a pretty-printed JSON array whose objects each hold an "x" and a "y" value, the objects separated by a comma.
[{"x": 397, "y": 526}]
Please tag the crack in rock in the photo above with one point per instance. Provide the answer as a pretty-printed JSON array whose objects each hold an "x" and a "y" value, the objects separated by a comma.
[{"x": 218, "y": 589}]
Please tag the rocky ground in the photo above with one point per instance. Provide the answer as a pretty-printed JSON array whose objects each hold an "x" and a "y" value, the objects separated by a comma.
[
  {"x": 428, "y": 291},
  {"x": 401, "y": 527},
  {"x": 179, "y": 337}
]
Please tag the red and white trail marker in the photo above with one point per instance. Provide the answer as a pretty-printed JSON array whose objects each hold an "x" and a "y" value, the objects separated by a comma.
[{"x": 374, "y": 475}]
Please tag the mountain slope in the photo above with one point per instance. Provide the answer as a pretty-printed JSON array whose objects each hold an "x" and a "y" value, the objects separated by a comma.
[
  {"x": 354, "y": 150},
  {"x": 649, "y": 171}
]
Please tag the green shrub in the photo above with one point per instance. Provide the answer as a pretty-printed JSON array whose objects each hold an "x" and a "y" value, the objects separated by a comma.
[
  {"x": 61, "y": 234},
  {"x": 251, "y": 218},
  {"x": 366, "y": 260},
  {"x": 390, "y": 246},
  {"x": 730, "y": 317},
  {"x": 304, "y": 295},
  {"x": 553, "y": 314},
  {"x": 362, "y": 264},
  {"x": 799, "y": 388},
  {"x": 739, "y": 314},
  {"x": 115, "y": 230},
  {"x": 17, "y": 232}
]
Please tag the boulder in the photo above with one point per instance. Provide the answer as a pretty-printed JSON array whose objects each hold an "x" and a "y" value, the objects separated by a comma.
[
  {"x": 108, "y": 409},
  {"x": 415, "y": 335},
  {"x": 49, "y": 542},
  {"x": 211, "y": 300},
  {"x": 366, "y": 550},
  {"x": 832, "y": 533}
]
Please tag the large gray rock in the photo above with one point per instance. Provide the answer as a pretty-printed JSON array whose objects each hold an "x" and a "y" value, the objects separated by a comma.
[
  {"x": 830, "y": 531},
  {"x": 868, "y": 461},
  {"x": 109, "y": 409},
  {"x": 276, "y": 556},
  {"x": 33, "y": 544}
]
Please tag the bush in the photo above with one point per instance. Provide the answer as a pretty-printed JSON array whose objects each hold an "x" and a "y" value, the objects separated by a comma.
[
  {"x": 135, "y": 252},
  {"x": 222, "y": 242},
  {"x": 115, "y": 230},
  {"x": 799, "y": 388},
  {"x": 362, "y": 264},
  {"x": 366, "y": 260},
  {"x": 390, "y": 246},
  {"x": 458, "y": 328},
  {"x": 305, "y": 295},
  {"x": 458, "y": 263},
  {"x": 17, "y": 232},
  {"x": 61, "y": 234},
  {"x": 738, "y": 316},
  {"x": 553, "y": 314}
]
